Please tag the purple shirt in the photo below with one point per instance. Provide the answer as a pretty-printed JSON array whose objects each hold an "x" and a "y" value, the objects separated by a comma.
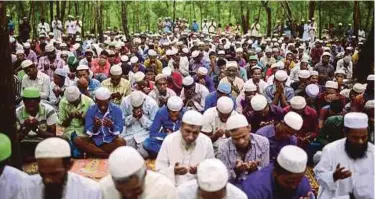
[
  {"x": 275, "y": 145},
  {"x": 275, "y": 114},
  {"x": 32, "y": 57},
  {"x": 44, "y": 61},
  {"x": 228, "y": 154},
  {"x": 209, "y": 83},
  {"x": 261, "y": 185}
]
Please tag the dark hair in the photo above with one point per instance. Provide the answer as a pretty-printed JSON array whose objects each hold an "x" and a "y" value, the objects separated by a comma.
[
  {"x": 104, "y": 52},
  {"x": 221, "y": 62},
  {"x": 336, "y": 106},
  {"x": 212, "y": 53}
]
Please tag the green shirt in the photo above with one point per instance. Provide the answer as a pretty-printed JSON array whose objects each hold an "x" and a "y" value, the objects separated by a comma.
[{"x": 76, "y": 125}]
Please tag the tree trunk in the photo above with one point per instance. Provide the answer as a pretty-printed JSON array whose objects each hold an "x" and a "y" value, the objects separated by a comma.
[
  {"x": 7, "y": 102},
  {"x": 99, "y": 20},
  {"x": 174, "y": 11},
  {"x": 217, "y": 12},
  {"x": 366, "y": 59},
  {"x": 62, "y": 13},
  {"x": 269, "y": 19},
  {"x": 167, "y": 10},
  {"x": 320, "y": 20},
  {"x": 51, "y": 10},
  {"x": 312, "y": 5},
  {"x": 76, "y": 8},
  {"x": 83, "y": 18},
  {"x": 287, "y": 10},
  {"x": 195, "y": 17},
  {"x": 200, "y": 10},
  {"x": 124, "y": 18},
  {"x": 58, "y": 9},
  {"x": 356, "y": 18}
]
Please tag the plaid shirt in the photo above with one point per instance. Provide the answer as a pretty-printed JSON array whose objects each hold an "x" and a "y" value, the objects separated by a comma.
[{"x": 45, "y": 65}]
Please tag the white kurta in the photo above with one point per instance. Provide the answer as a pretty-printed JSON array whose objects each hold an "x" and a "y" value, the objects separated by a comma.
[
  {"x": 173, "y": 150},
  {"x": 76, "y": 187},
  {"x": 43, "y": 28},
  {"x": 361, "y": 183},
  {"x": 156, "y": 186},
  {"x": 57, "y": 27},
  {"x": 11, "y": 181},
  {"x": 189, "y": 190},
  {"x": 70, "y": 27},
  {"x": 262, "y": 84}
]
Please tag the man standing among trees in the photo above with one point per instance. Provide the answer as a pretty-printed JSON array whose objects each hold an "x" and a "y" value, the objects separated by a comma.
[{"x": 255, "y": 28}]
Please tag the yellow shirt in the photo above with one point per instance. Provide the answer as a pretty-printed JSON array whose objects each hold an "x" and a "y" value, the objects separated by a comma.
[
  {"x": 123, "y": 88},
  {"x": 159, "y": 65}
]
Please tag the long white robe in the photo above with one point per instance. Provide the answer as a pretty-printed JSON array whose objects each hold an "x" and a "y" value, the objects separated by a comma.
[
  {"x": 173, "y": 150},
  {"x": 57, "y": 28},
  {"x": 76, "y": 187},
  {"x": 11, "y": 181},
  {"x": 189, "y": 190},
  {"x": 361, "y": 183},
  {"x": 156, "y": 186}
]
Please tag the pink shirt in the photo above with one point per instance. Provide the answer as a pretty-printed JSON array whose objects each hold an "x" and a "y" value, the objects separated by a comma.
[{"x": 95, "y": 68}]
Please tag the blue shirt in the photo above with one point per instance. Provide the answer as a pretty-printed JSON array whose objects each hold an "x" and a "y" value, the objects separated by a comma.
[
  {"x": 93, "y": 85},
  {"x": 275, "y": 145},
  {"x": 261, "y": 185},
  {"x": 162, "y": 122},
  {"x": 195, "y": 27},
  {"x": 269, "y": 93},
  {"x": 211, "y": 101},
  {"x": 209, "y": 82},
  {"x": 104, "y": 134}
]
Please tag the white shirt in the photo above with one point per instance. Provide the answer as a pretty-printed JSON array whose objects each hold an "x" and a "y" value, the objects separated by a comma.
[
  {"x": 155, "y": 94},
  {"x": 42, "y": 82},
  {"x": 199, "y": 98},
  {"x": 70, "y": 27},
  {"x": 11, "y": 181},
  {"x": 173, "y": 150},
  {"x": 348, "y": 70},
  {"x": 57, "y": 27},
  {"x": 43, "y": 28},
  {"x": 212, "y": 121},
  {"x": 52, "y": 97},
  {"x": 361, "y": 183},
  {"x": 156, "y": 186},
  {"x": 189, "y": 190},
  {"x": 76, "y": 187}
]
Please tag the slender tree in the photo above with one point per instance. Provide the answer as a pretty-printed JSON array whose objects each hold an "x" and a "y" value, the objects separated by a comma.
[
  {"x": 7, "y": 101},
  {"x": 312, "y": 5}
]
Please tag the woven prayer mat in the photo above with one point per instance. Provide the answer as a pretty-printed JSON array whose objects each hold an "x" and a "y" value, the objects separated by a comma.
[{"x": 311, "y": 176}]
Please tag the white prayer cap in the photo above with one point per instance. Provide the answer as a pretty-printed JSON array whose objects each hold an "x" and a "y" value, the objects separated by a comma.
[
  {"x": 258, "y": 102},
  {"x": 124, "y": 58},
  {"x": 249, "y": 86},
  {"x": 64, "y": 52},
  {"x": 202, "y": 71},
  {"x": 268, "y": 50},
  {"x": 305, "y": 57},
  {"x": 125, "y": 156},
  {"x": 298, "y": 102},
  {"x": 305, "y": 60},
  {"x": 356, "y": 120},
  {"x": 160, "y": 76},
  {"x": 370, "y": 104},
  {"x": 175, "y": 103},
  {"x": 185, "y": 50},
  {"x": 49, "y": 48},
  {"x": 231, "y": 64},
  {"x": 221, "y": 52},
  {"x": 347, "y": 59},
  {"x": 26, "y": 63},
  {"x": 226, "y": 46},
  {"x": 359, "y": 88},
  {"x": 239, "y": 50},
  {"x": 275, "y": 50},
  {"x": 281, "y": 75},
  {"x": 63, "y": 45},
  {"x": 293, "y": 120},
  {"x": 137, "y": 98},
  {"x": 236, "y": 121},
  {"x": 116, "y": 70},
  {"x": 26, "y": 45},
  {"x": 304, "y": 74},
  {"x": 301, "y": 47},
  {"x": 60, "y": 72},
  {"x": 72, "y": 93},
  {"x": 349, "y": 48},
  {"x": 292, "y": 159},
  {"x": 258, "y": 50},
  {"x": 20, "y": 51},
  {"x": 102, "y": 93},
  {"x": 314, "y": 73},
  {"x": 195, "y": 54},
  {"x": 152, "y": 53},
  {"x": 169, "y": 52},
  {"x": 118, "y": 46},
  {"x": 274, "y": 65},
  {"x": 332, "y": 84},
  {"x": 371, "y": 77},
  {"x": 187, "y": 81},
  {"x": 250, "y": 41},
  {"x": 274, "y": 40},
  {"x": 166, "y": 71},
  {"x": 82, "y": 67},
  {"x": 345, "y": 92},
  {"x": 312, "y": 90},
  {"x": 139, "y": 76},
  {"x": 326, "y": 54},
  {"x": 52, "y": 148},
  {"x": 268, "y": 39},
  {"x": 212, "y": 175},
  {"x": 111, "y": 52},
  {"x": 225, "y": 105},
  {"x": 340, "y": 71},
  {"x": 134, "y": 60},
  {"x": 193, "y": 117},
  {"x": 166, "y": 43}
]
